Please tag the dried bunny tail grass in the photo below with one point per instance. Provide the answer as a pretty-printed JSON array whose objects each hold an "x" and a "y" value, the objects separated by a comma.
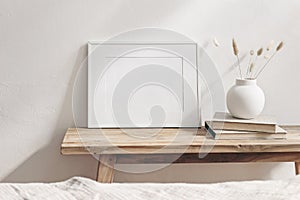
[
  {"x": 250, "y": 61},
  {"x": 259, "y": 51},
  {"x": 236, "y": 53},
  {"x": 270, "y": 46},
  {"x": 235, "y": 49},
  {"x": 251, "y": 68},
  {"x": 279, "y": 46},
  {"x": 216, "y": 43}
]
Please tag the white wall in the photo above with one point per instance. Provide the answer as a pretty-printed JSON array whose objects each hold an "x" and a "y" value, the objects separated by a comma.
[{"x": 42, "y": 44}]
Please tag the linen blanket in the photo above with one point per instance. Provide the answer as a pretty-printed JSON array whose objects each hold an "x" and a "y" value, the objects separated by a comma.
[{"x": 84, "y": 188}]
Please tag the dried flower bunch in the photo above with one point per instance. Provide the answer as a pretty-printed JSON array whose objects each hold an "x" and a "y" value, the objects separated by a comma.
[{"x": 251, "y": 66}]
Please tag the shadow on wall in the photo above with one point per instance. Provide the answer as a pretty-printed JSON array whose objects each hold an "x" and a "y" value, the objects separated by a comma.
[{"x": 48, "y": 164}]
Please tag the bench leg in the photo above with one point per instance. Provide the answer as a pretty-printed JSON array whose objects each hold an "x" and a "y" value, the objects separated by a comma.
[
  {"x": 106, "y": 168},
  {"x": 297, "y": 168}
]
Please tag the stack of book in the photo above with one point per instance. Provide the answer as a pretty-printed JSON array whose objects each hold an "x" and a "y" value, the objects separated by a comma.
[{"x": 225, "y": 127}]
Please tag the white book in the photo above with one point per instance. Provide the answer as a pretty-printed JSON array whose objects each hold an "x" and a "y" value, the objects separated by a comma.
[
  {"x": 249, "y": 135},
  {"x": 225, "y": 121}
]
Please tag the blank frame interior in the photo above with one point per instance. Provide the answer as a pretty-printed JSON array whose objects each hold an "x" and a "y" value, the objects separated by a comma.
[{"x": 143, "y": 85}]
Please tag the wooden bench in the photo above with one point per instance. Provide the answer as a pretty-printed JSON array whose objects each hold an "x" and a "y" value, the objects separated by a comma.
[{"x": 173, "y": 145}]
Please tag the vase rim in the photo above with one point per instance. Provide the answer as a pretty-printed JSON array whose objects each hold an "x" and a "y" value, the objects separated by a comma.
[{"x": 245, "y": 81}]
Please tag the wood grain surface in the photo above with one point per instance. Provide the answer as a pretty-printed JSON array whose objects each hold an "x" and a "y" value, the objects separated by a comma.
[
  {"x": 105, "y": 173},
  {"x": 168, "y": 140}
]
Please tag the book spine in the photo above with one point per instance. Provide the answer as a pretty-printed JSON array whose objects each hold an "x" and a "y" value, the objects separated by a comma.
[{"x": 210, "y": 131}]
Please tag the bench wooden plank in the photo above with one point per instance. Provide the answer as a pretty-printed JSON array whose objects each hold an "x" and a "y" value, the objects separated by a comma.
[{"x": 168, "y": 140}]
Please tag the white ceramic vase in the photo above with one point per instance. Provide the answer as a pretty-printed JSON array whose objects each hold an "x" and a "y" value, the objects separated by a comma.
[{"x": 245, "y": 99}]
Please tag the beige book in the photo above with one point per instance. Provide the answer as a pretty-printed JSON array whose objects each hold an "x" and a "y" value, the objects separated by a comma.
[
  {"x": 249, "y": 135},
  {"x": 225, "y": 121}
]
